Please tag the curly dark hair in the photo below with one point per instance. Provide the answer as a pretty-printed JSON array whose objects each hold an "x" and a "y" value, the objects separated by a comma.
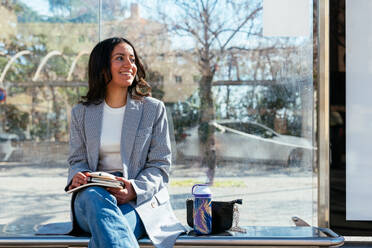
[{"x": 99, "y": 73}]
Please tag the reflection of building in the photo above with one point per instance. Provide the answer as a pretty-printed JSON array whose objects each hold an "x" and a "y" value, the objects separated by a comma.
[
  {"x": 149, "y": 37},
  {"x": 153, "y": 43},
  {"x": 7, "y": 25}
]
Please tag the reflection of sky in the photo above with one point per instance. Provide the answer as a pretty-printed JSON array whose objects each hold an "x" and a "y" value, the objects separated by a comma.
[
  {"x": 148, "y": 10},
  {"x": 40, "y": 6}
]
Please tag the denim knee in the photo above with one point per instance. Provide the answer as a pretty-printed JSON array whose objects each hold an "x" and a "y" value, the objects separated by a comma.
[
  {"x": 96, "y": 212},
  {"x": 94, "y": 196}
]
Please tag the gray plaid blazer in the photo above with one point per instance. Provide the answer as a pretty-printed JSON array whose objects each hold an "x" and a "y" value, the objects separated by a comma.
[{"x": 145, "y": 149}]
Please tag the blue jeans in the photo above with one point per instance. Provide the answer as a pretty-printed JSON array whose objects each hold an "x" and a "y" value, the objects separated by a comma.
[{"x": 110, "y": 225}]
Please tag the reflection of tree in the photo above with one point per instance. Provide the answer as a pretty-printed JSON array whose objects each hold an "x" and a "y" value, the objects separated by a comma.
[
  {"x": 277, "y": 81},
  {"x": 157, "y": 81},
  {"x": 15, "y": 120},
  {"x": 82, "y": 11},
  {"x": 47, "y": 102},
  {"x": 46, "y": 122},
  {"x": 232, "y": 64},
  {"x": 23, "y": 70},
  {"x": 213, "y": 25},
  {"x": 56, "y": 69},
  {"x": 278, "y": 102}
]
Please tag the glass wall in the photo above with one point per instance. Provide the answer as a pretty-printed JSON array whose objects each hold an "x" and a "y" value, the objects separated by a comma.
[{"x": 239, "y": 100}]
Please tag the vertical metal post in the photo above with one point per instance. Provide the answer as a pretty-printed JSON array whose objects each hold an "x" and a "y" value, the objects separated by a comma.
[{"x": 323, "y": 114}]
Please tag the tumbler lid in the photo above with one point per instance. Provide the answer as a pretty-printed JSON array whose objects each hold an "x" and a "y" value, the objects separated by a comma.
[{"x": 201, "y": 190}]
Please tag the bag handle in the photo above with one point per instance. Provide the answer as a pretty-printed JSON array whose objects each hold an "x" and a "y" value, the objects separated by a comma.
[{"x": 238, "y": 201}]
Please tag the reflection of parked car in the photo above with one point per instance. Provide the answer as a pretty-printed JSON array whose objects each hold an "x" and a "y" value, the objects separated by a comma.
[
  {"x": 249, "y": 141},
  {"x": 8, "y": 143}
]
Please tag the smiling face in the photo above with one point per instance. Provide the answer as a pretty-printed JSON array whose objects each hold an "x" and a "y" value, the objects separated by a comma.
[{"x": 123, "y": 67}]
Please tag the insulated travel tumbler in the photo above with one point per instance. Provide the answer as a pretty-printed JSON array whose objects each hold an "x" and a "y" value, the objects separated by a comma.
[{"x": 202, "y": 209}]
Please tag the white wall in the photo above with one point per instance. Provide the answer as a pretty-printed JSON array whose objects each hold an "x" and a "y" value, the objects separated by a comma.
[{"x": 358, "y": 110}]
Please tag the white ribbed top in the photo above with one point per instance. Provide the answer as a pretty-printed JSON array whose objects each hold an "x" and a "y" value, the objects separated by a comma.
[{"x": 109, "y": 151}]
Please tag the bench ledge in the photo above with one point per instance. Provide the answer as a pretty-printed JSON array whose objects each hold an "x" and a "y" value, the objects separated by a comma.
[
  {"x": 258, "y": 236},
  {"x": 183, "y": 240}
]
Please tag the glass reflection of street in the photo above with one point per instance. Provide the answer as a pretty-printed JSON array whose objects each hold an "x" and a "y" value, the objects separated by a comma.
[
  {"x": 215, "y": 85},
  {"x": 33, "y": 194}
]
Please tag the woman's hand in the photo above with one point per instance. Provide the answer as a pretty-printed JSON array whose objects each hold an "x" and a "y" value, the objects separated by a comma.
[
  {"x": 123, "y": 195},
  {"x": 80, "y": 178}
]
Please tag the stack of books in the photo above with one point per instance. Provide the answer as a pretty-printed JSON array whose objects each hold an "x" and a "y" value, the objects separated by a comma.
[{"x": 102, "y": 179}]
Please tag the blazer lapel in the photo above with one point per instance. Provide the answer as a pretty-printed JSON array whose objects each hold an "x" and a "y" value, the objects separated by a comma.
[
  {"x": 93, "y": 124},
  {"x": 132, "y": 117}
]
